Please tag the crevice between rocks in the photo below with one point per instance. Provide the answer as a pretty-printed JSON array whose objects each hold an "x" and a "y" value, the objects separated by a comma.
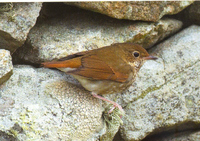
[{"x": 177, "y": 130}]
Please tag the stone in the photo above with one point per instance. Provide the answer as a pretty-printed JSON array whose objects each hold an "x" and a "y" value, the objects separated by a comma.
[
  {"x": 135, "y": 10},
  {"x": 166, "y": 91},
  {"x": 6, "y": 66},
  {"x": 58, "y": 37},
  {"x": 44, "y": 104},
  {"x": 192, "y": 13},
  {"x": 16, "y": 21}
]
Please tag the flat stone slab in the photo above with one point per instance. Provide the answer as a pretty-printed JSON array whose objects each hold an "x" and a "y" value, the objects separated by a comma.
[{"x": 135, "y": 10}]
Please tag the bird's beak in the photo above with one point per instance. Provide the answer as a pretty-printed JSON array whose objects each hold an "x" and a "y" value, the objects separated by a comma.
[{"x": 150, "y": 58}]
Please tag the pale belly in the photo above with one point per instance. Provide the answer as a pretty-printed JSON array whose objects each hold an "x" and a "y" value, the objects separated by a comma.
[{"x": 104, "y": 86}]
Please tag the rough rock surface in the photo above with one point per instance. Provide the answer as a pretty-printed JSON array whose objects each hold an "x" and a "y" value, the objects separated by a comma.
[
  {"x": 135, "y": 10},
  {"x": 16, "y": 22},
  {"x": 39, "y": 104},
  {"x": 59, "y": 36},
  {"x": 166, "y": 92},
  {"x": 6, "y": 66},
  {"x": 46, "y": 104}
]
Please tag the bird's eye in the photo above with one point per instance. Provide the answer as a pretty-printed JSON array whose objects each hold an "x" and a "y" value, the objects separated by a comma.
[{"x": 136, "y": 54}]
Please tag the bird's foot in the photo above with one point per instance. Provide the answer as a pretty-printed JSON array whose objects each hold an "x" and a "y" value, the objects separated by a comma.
[
  {"x": 112, "y": 102},
  {"x": 114, "y": 106}
]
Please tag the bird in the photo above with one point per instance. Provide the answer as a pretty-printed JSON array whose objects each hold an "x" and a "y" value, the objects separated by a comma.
[{"x": 106, "y": 70}]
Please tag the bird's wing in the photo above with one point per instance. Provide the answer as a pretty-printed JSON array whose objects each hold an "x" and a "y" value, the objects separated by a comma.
[
  {"x": 91, "y": 66},
  {"x": 95, "y": 68}
]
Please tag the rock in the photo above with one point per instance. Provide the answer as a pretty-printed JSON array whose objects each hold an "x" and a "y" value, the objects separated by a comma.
[
  {"x": 16, "y": 21},
  {"x": 166, "y": 91},
  {"x": 192, "y": 13},
  {"x": 6, "y": 66},
  {"x": 135, "y": 10},
  {"x": 57, "y": 37},
  {"x": 43, "y": 104}
]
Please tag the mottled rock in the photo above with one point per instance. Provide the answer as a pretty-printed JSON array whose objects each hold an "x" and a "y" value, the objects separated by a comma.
[
  {"x": 83, "y": 30},
  {"x": 135, "y": 10},
  {"x": 16, "y": 21},
  {"x": 166, "y": 91},
  {"x": 6, "y": 66},
  {"x": 42, "y": 104}
]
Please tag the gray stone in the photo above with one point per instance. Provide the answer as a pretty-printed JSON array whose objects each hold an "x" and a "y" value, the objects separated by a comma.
[
  {"x": 83, "y": 30},
  {"x": 166, "y": 91},
  {"x": 6, "y": 66},
  {"x": 43, "y": 104},
  {"x": 16, "y": 22},
  {"x": 135, "y": 10}
]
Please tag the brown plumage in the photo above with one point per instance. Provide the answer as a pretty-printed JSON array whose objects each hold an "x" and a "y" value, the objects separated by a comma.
[{"x": 106, "y": 70}]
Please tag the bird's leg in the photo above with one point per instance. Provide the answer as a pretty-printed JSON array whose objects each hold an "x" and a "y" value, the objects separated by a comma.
[{"x": 112, "y": 102}]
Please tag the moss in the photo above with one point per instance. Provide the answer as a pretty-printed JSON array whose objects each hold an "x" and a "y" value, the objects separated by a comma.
[
  {"x": 113, "y": 121},
  {"x": 147, "y": 39},
  {"x": 6, "y": 77},
  {"x": 24, "y": 121},
  {"x": 137, "y": 38},
  {"x": 148, "y": 90},
  {"x": 151, "y": 89},
  {"x": 13, "y": 132},
  {"x": 11, "y": 18},
  {"x": 5, "y": 7},
  {"x": 28, "y": 126}
]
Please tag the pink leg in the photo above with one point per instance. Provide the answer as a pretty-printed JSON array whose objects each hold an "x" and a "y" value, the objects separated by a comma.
[{"x": 115, "y": 104}]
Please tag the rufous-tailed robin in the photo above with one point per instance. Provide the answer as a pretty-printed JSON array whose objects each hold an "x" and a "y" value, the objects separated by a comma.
[{"x": 106, "y": 70}]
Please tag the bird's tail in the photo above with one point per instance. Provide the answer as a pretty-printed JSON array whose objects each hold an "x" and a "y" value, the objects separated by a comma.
[{"x": 72, "y": 63}]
